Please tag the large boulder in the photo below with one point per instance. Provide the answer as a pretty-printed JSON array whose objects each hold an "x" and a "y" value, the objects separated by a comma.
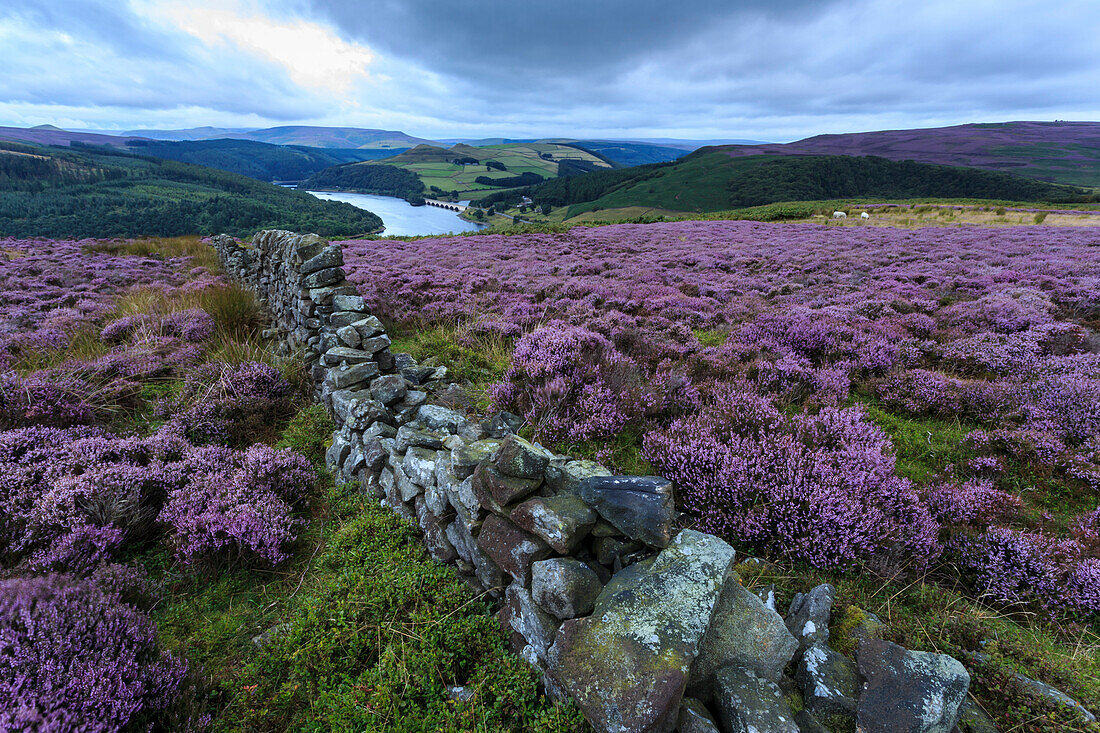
[
  {"x": 751, "y": 704},
  {"x": 626, "y": 665},
  {"x": 641, "y": 507},
  {"x": 908, "y": 692},
  {"x": 829, "y": 683},
  {"x": 744, "y": 633}
]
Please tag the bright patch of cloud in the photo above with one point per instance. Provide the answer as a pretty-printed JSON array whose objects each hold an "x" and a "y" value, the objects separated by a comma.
[{"x": 312, "y": 55}]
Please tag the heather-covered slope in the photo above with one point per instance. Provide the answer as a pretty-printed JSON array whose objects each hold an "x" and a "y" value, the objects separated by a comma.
[{"x": 1067, "y": 152}]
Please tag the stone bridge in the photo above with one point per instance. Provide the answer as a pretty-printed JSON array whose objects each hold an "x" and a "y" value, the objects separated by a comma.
[{"x": 446, "y": 205}]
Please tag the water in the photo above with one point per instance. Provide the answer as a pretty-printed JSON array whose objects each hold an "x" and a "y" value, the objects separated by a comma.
[{"x": 402, "y": 218}]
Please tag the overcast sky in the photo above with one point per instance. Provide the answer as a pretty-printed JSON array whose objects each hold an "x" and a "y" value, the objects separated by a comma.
[{"x": 764, "y": 69}]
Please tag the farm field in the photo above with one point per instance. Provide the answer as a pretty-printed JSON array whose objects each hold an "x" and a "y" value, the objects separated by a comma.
[
  {"x": 173, "y": 555},
  {"x": 911, "y": 413},
  {"x": 517, "y": 158}
]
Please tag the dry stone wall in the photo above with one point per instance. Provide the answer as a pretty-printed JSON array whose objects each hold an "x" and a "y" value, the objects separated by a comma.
[{"x": 645, "y": 625}]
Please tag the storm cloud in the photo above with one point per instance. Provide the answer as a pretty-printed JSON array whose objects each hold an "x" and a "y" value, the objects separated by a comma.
[{"x": 771, "y": 70}]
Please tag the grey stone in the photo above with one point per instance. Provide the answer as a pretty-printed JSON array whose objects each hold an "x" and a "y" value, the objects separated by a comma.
[
  {"x": 611, "y": 550},
  {"x": 309, "y": 246},
  {"x": 349, "y": 303},
  {"x": 364, "y": 413},
  {"x": 829, "y": 683},
  {"x": 808, "y": 723},
  {"x": 524, "y": 616},
  {"x": 496, "y": 491},
  {"x": 517, "y": 457},
  {"x": 564, "y": 587},
  {"x": 465, "y": 502},
  {"x": 329, "y": 257},
  {"x": 748, "y": 703},
  {"x": 323, "y": 295},
  {"x": 388, "y": 389},
  {"x": 375, "y": 343},
  {"x": 562, "y": 521},
  {"x": 263, "y": 639},
  {"x": 419, "y": 465},
  {"x": 343, "y": 318},
  {"x": 501, "y": 424},
  {"x": 407, "y": 489},
  {"x": 512, "y": 549},
  {"x": 908, "y": 692},
  {"x": 435, "y": 536},
  {"x": 745, "y": 633},
  {"x": 368, "y": 327},
  {"x": 409, "y": 437},
  {"x": 808, "y": 616},
  {"x": 1050, "y": 695},
  {"x": 322, "y": 278},
  {"x": 695, "y": 718},
  {"x": 344, "y": 355},
  {"x": 972, "y": 719},
  {"x": 641, "y": 507},
  {"x": 435, "y": 417},
  {"x": 627, "y": 664},
  {"x": 349, "y": 336},
  {"x": 336, "y": 454},
  {"x": 465, "y": 459},
  {"x": 344, "y": 377},
  {"x": 574, "y": 472}
]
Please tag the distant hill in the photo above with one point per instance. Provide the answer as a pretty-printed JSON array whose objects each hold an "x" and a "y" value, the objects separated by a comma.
[
  {"x": 710, "y": 180},
  {"x": 263, "y": 161},
  {"x": 466, "y": 171},
  {"x": 629, "y": 154},
  {"x": 49, "y": 191},
  {"x": 193, "y": 133},
  {"x": 50, "y": 135},
  {"x": 1065, "y": 152},
  {"x": 331, "y": 137}
]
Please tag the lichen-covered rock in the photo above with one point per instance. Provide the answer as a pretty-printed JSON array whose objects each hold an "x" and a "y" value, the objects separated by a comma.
[
  {"x": 829, "y": 684},
  {"x": 501, "y": 424},
  {"x": 435, "y": 536},
  {"x": 410, "y": 437},
  {"x": 327, "y": 258},
  {"x": 908, "y": 692},
  {"x": 517, "y": 457},
  {"x": 641, "y": 507},
  {"x": 808, "y": 616},
  {"x": 562, "y": 520},
  {"x": 512, "y": 549},
  {"x": 349, "y": 302},
  {"x": 745, "y": 633},
  {"x": 496, "y": 491},
  {"x": 419, "y": 465},
  {"x": 523, "y": 615},
  {"x": 348, "y": 376},
  {"x": 434, "y": 417},
  {"x": 695, "y": 718},
  {"x": 368, "y": 327},
  {"x": 570, "y": 474},
  {"x": 751, "y": 704},
  {"x": 564, "y": 587},
  {"x": 465, "y": 459},
  {"x": 1050, "y": 695},
  {"x": 972, "y": 719},
  {"x": 626, "y": 665},
  {"x": 388, "y": 389}
]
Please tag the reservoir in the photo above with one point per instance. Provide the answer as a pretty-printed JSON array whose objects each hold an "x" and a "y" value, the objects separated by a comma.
[{"x": 403, "y": 219}]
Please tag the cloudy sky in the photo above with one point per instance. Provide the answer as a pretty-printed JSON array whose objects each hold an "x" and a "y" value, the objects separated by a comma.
[{"x": 763, "y": 69}]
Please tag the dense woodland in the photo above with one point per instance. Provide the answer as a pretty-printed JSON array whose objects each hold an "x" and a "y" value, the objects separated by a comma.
[
  {"x": 264, "y": 161},
  {"x": 711, "y": 181},
  {"x": 101, "y": 192},
  {"x": 381, "y": 180}
]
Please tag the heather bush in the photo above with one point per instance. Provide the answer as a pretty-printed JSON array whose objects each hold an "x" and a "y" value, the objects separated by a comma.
[
  {"x": 231, "y": 404},
  {"x": 74, "y": 656},
  {"x": 571, "y": 384},
  {"x": 238, "y": 505},
  {"x": 975, "y": 502},
  {"x": 36, "y": 400},
  {"x": 818, "y": 488},
  {"x": 1014, "y": 566}
]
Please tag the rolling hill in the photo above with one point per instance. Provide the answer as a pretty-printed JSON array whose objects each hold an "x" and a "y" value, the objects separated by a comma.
[
  {"x": 468, "y": 171},
  {"x": 330, "y": 137},
  {"x": 1063, "y": 152},
  {"x": 710, "y": 180},
  {"x": 102, "y": 192}
]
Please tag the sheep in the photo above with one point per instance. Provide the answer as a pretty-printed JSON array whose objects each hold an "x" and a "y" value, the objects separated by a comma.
[
  {"x": 839, "y": 215},
  {"x": 864, "y": 215}
]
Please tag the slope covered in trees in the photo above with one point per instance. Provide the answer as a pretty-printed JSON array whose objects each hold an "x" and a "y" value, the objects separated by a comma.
[
  {"x": 100, "y": 192},
  {"x": 381, "y": 180},
  {"x": 712, "y": 181}
]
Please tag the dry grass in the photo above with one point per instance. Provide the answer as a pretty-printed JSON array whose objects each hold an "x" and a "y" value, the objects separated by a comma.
[
  {"x": 932, "y": 215},
  {"x": 201, "y": 253}
]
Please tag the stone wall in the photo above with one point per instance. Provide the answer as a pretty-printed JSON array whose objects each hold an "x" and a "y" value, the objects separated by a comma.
[{"x": 644, "y": 624}]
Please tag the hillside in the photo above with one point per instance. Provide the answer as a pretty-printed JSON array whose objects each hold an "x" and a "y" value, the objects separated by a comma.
[
  {"x": 330, "y": 137},
  {"x": 263, "y": 161},
  {"x": 628, "y": 154},
  {"x": 471, "y": 172},
  {"x": 1065, "y": 152},
  {"x": 64, "y": 192},
  {"x": 710, "y": 180}
]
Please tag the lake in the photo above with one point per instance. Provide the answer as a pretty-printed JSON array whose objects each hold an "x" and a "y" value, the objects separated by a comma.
[{"x": 403, "y": 219}]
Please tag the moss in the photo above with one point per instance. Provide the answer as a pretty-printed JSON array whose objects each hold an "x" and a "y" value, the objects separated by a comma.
[
  {"x": 309, "y": 433},
  {"x": 840, "y": 630}
]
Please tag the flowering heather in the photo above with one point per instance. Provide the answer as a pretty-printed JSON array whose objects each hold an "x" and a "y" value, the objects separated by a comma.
[
  {"x": 231, "y": 404},
  {"x": 74, "y": 656},
  {"x": 818, "y": 488}
]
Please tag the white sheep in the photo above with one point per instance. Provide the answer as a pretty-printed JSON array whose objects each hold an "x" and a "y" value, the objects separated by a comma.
[
  {"x": 864, "y": 215},
  {"x": 839, "y": 215}
]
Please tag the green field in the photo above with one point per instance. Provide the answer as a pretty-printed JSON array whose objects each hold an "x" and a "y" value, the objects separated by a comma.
[{"x": 435, "y": 168}]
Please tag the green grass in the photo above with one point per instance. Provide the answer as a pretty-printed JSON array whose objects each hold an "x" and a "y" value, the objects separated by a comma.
[
  {"x": 924, "y": 447},
  {"x": 476, "y": 361}
]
